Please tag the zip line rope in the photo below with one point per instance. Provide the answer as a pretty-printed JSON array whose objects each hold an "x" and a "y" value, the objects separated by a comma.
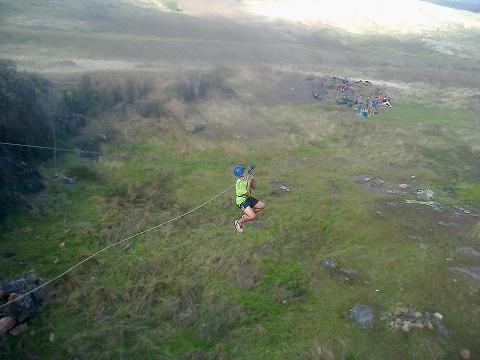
[
  {"x": 49, "y": 148},
  {"x": 115, "y": 244},
  {"x": 65, "y": 149}
]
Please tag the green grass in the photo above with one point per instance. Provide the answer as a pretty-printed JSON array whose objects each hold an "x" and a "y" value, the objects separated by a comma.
[
  {"x": 470, "y": 194},
  {"x": 196, "y": 288}
]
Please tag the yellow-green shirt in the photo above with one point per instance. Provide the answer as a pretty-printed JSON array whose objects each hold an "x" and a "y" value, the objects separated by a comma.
[{"x": 241, "y": 190}]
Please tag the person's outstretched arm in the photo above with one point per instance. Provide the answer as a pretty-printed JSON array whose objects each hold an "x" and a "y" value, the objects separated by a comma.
[{"x": 251, "y": 186}]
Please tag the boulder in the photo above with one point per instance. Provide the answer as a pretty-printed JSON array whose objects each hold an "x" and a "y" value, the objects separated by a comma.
[
  {"x": 328, "y": 263},
  {"x": 362, "y": 315},
  {"x": 441, "y": 328},
  {"x": 6, "y": 324},
  {"x": 20, "y": 284},
  {"x": 25, "y": 307}
]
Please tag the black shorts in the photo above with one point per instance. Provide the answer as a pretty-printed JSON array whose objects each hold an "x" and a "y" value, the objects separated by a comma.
[{"x": 249, "y": 201}]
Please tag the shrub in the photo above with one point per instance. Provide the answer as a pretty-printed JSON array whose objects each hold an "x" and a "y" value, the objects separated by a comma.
[{"x": 83, "y": 172}]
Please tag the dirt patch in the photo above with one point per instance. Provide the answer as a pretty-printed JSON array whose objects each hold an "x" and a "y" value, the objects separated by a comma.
[
  {"x": 291, "y": 88},
  {"x": 378, "y": 185}
]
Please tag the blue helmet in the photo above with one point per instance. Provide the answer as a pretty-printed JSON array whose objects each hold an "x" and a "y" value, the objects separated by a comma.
[{"x": 238, "y": 170}]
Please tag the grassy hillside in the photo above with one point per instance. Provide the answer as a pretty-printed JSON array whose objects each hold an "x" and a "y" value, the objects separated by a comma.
[
  {"x": 224, "y": 91},
  {"x": 76, "y": 36},
  {"x": 198, "y": 289}
]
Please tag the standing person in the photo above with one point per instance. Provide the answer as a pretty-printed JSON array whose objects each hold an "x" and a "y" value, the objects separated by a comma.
[
  {"x": 244, "y": 200},
  {"x": 374, "y": 106},
  {"x": 359, "y": 105},
  {"x": 344, "y": 84}
]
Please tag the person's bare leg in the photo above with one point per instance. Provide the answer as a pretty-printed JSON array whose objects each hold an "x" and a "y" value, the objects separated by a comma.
[
  {"x": 259, "y": 207},
  {"x": 248, "y": 215}
]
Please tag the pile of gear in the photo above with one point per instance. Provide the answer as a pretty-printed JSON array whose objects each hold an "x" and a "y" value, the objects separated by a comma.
[{"x": 360, "y": 94}]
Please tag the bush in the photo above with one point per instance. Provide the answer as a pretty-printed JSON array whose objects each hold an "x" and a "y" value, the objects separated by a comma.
[
  {"x": 83, "y": 172},
  {"x": 150, "y": 108},
  {"x": 196, "y": 88}
]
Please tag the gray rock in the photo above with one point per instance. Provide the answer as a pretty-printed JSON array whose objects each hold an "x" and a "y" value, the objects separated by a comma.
[
  {"x": 415, "y": 237},
  {"x": 441, "y": 328},
  {"x": 25, "y": 307},
  {"x": 362, "y": 178},
  {"x": 20, "y": 284},
  {"x": 362, "y": 315},
  {"x": 328, "y": 263},
  {"x": 6, "y": 324}
]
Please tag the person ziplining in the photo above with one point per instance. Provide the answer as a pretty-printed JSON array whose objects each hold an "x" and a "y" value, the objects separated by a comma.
[{"x": 244, "y": 199}]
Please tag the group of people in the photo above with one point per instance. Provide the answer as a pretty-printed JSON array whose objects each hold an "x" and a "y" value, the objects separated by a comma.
[{"x": 369, "y": 106}]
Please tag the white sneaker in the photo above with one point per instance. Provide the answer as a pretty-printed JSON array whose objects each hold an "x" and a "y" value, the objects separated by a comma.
[{"x": 238, "y": 226}]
